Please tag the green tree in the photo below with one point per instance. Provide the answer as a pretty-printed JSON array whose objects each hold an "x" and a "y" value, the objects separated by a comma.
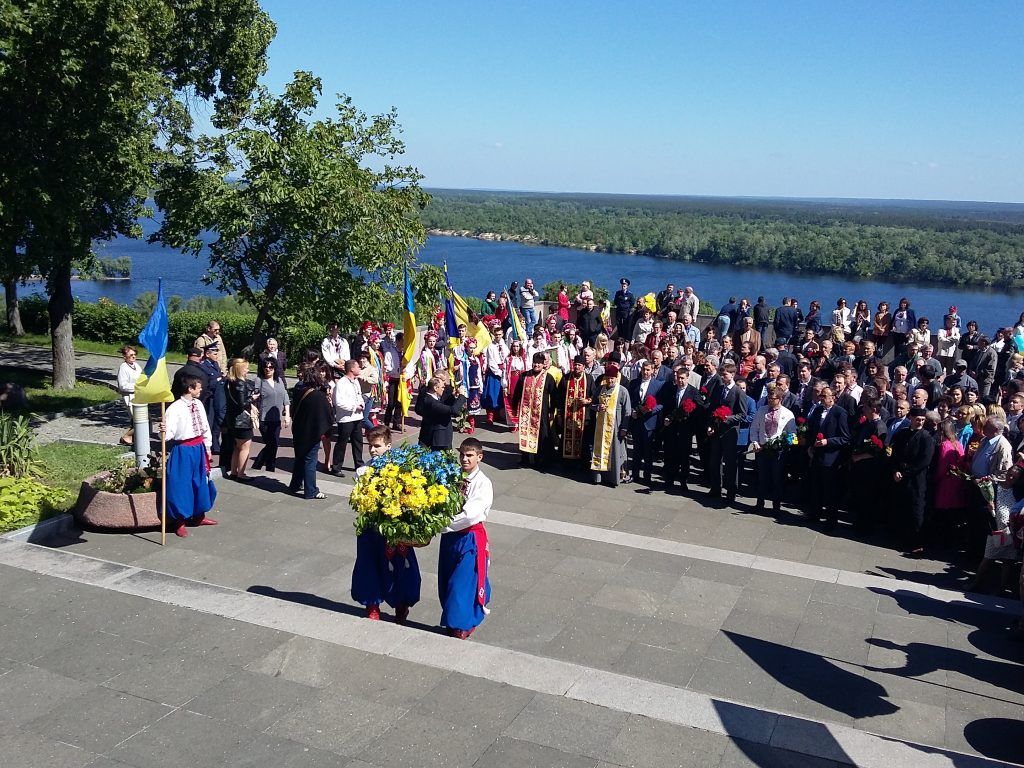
[
  {"x": 96, "y": 97},
  {"x": 306, "y": 229}
]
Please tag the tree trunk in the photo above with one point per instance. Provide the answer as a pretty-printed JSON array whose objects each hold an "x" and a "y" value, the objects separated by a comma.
[
  {"x": 262, "y": 315},
  {"x": 13, "y": 312},
  {"x": 61, "y": 307}
]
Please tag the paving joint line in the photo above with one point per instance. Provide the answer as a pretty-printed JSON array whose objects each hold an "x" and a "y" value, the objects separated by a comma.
[
  {"x": 659, "y": 701},
  {"x": 819, "y": 573}
]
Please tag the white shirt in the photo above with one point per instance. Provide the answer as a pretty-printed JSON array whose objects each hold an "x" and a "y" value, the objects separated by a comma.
[
  {"x": 479, "y": 497},
  {"x": 495, "y": 355},
  {"x": 642, "y": 330},
  {"x": 786, "y": 422},
  {"x": 335, "y": 351},
  {"x": 348, "y": 400},
  {"x": 186, "y": 419},
  {"x": 691, "y": 305},
  {"x": 127, "y": 375}
]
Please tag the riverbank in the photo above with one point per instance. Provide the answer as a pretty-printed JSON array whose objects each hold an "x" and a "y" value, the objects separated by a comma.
[{"x": 502, "y": 237}]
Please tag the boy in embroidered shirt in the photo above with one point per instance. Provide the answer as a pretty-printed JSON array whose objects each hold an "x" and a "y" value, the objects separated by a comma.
[
  {"x": 462, "y": 583},
  {"x": 190, "y": 491},
  {"x": 383, "y": 573}
]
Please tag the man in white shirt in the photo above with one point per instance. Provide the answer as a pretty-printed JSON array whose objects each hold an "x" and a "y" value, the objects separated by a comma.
[
  {"x": 772, "y": 420},
  {"x": 348, "y": 411},
  {"x": 335, "y": 350},
  {"x": 462, "y": 564},
  {"x": 690, "y": 332},
  {"x": 495, "y": 355}
]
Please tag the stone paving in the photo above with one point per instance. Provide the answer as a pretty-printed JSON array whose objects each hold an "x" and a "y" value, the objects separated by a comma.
[{"x": 873, "y": 649}]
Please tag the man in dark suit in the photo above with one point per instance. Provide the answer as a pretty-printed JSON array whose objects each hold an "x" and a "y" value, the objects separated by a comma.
[
  {"x": 898, "y": 422},
  {"x": 787, "y": 360},
  {"x": 437, "y": 412},
  {"x": 912, "y": 451},
  {"x": 785, "y": 322},
  {"x": 664, "y": 298},
  {"x": 829, "y": 433},
  {"x": 724, "y": 433},
  {"x": 647, "y": 407},
  {"x": 803, "y": 387},
  {"x": 680, "y": 427}
]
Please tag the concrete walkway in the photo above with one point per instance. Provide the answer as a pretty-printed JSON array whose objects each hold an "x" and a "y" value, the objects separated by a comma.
[{"x": 627, "y": 628}]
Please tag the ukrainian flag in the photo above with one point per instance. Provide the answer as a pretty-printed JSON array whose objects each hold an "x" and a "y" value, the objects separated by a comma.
[
  {"x": 517, "y": 330},
  {"x": 408, "y": 344},
  {"x": 457, "y": 312},
  {"x": 153, "y": 385}
]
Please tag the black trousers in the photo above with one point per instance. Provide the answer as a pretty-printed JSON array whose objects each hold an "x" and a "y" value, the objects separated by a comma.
[
  {"x": 722, "y": 461},
  {"x": 393, "y": 413},
  {"x": 349, "y": 433},
  {"x": 823, "y": 492},
  {"x": 678, "y": 447},
  {"x": 771, "y": 476},
  {"x": 266, "y": 459},
  {"x": 643, "y": 453}
]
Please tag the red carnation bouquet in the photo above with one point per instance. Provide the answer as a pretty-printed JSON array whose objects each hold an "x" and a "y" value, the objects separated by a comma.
[
  {"x": 683, "y": 412},
  {"x": 688, "y": 406},
  {"x": 649, "y": 404},
  {"x": 721, "y": 414}
]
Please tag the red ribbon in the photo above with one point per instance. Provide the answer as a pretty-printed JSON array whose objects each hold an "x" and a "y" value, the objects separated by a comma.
[{"x": 482, "y": 556}]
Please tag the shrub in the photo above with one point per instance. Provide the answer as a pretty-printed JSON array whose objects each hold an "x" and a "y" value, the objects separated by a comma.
[
  {"x": 185, "y": 327},
  {"x": 296, "y": 338},
  {"x": 34, "y": 314},
  {"x": 23, "y": 500},
  {"x": 19, "y": 455},
  {"x": 107, "y": 321}
]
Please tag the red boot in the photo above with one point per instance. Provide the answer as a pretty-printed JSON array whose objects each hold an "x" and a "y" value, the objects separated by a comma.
[
  {"x": 472, "y": 425},
  {"x": 373, "y": 612},
  {"x": 181, "y": 531}
]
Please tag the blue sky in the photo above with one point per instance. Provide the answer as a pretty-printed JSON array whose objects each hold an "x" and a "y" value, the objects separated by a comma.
[{"x": 797, "y": 99}]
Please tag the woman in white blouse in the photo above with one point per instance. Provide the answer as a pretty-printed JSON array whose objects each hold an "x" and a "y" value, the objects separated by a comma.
[
  {"x": 841, "y": 316},
  {"x": 127, "y": 375}
]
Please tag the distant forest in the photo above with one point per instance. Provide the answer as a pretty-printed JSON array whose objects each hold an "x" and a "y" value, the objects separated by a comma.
[{"x": 958, "y": 243}]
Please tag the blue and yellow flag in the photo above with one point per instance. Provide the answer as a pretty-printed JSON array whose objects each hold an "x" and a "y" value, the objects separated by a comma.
[
  {"x": 457, "y": 312},
  {"x": 516, "y": 331},
  {"x": 153, "y": 385},
  {"x": 408, "y": 344}
]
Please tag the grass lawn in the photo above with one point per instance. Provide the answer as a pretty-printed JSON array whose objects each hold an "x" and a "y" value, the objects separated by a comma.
[
  {"x": 66, "y": 465},
  {"x": 63, "y": 465},
  {"x": 83, "y": 345},
  {"x": 42, "y": 398}
]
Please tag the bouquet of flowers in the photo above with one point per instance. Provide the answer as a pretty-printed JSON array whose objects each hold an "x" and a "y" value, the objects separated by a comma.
[
  {"x": 410, "y": 494},
  {"x": 986, "y": 485},
  {"x": 779, "y": 443},
  {"x": 801, "y": 430},
  {"x": 874, "y": 446},
  {"x": 682, "y": 413}
]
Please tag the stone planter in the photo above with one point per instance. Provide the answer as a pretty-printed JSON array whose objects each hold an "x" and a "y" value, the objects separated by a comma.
[{"x": 116, "y": 511}]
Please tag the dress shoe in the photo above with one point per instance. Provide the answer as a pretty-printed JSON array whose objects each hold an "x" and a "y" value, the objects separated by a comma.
[
  {"x": 401, "y": 614},
  {"x": 460, "y": 634}
]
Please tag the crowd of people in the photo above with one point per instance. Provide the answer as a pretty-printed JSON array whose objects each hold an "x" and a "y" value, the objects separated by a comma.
[{"x": 867, "y": 416}]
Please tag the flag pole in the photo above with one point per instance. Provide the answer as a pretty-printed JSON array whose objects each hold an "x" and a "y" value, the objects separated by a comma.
[{"x": 163, "y": 475}]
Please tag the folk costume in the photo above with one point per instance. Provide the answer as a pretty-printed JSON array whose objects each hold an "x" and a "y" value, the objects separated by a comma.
[
  {"x": 462, "y": 584},
  {"x": 611, "y": 410},
  {"x": 533, "y": 399},
  {"x": 430, "y": 360},
  {"x": 494, "y": 360},
  {"x": 190, "y": 490},
  {"x": 510, "y": 372},
  {"x": 384, "y": 574},
  {"x": 574, "y": 397}
]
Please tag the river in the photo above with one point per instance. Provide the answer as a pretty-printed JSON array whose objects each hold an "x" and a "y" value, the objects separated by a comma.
[{"x": 476, "y": 266}]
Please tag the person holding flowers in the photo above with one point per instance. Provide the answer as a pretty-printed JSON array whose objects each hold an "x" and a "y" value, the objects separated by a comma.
[
  {"x": 772, "y": 433},
  {"x": 462, "y": 584},
  {"x": 728, "y": 412},
  {"x": 647, "y": 406},
  {"x": 830, "y": 427},
  {"x": 684, "y": 405},
  {"x": 383, "y": 572},
  {"x": 912, "y": 451},
  {"x": 867, "y": 463}
]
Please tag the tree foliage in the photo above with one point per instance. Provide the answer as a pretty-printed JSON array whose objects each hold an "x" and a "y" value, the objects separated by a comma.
[
  {"x": 312, "y": 218},
  {"x": 959, "y": 243},
  {"x": 96, "y": 97}
]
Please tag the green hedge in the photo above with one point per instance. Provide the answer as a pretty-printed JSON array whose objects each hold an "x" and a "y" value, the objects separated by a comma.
[{"x": 117, "y": 324}]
